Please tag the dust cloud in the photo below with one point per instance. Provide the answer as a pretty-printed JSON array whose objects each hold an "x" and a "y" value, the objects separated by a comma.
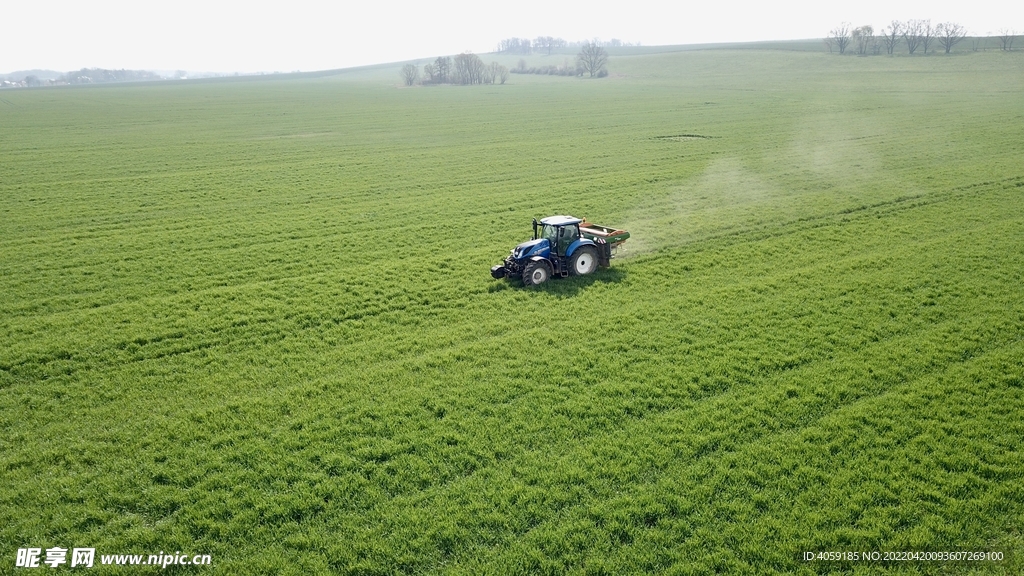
[{"x": 713, "y": 202}]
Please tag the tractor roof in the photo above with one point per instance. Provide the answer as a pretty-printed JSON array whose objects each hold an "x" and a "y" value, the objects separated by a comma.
[{"x": 560, "y": 220}]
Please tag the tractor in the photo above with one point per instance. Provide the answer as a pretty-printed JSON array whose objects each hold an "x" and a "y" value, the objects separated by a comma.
[{"x": 561, "y": 246}]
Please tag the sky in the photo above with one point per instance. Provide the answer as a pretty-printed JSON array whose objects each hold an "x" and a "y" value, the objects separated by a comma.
[{"x": 231, "y": 36}]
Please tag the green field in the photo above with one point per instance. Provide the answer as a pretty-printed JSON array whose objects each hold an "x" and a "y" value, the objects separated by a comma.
[{"x": 253, "y": 319}]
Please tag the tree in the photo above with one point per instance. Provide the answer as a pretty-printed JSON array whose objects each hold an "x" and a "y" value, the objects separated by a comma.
[
  {"x": 410, "y": 74},
  {"x": 469, "y": 69},
  {"x": 544, "y": 43},
  {"x": 927, "y": 33},
  {"x": 592, "y": 58},
  {"x": 1006, "y": 37},
  {"x": 548, "y": 43},
  {"x": 430, "y": 72},
  {"x": 841, "y": 36},
  {"x": 443, "y": 69},
  {"x": 515, "y": 46},
  {"x": 862, "y": 37},
  {"x": 496, "y": 72},
  {"x": 949, "y": 33},
  {"x": 891, "y": 36},
  {"x": 912, "y": 32}
]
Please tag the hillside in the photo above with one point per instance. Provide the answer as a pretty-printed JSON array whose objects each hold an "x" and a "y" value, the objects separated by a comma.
[{"x": 21, "y": 74}]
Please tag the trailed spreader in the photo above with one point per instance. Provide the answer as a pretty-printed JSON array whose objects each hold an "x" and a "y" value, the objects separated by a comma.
[{"x": 561, "y": 246}]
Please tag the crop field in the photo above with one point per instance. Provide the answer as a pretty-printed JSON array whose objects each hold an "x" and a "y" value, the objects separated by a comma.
[{"x": 252, "y": 318}]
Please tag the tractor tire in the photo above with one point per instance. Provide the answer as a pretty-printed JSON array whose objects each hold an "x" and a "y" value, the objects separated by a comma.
[
  {"x": 583, "y": 261},
  {"x": 536, "y": 273}
]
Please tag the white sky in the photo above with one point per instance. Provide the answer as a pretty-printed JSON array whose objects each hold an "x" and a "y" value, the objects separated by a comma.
[{"x": 230, "y": 36}]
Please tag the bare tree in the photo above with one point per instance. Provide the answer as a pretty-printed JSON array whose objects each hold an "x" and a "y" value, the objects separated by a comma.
[
  {"x": 544, "y": 44},
  {"x": 547, "y": 44},
  {"x": 515, "y": 46},
  {"x": 828, "y": 43},
  {"x": 912, "y": 32},
  {"x": 976, "y": 42},
  {"x": 443, "y": 69},
  {"x": 462, "y": 73},
  {"x": 949, "y": 34},
  {"x": 431, "y": 73},
  {"x": 841, "y": 36},
  {"x": 927, "y": 34},
  {"x": 496, "y": 72},
  {"x": 891, "y": 36},
  {"x": 862, "y": 37},
  {"x": 1006, "y": 37},
  {"x": 469, "y": 69},
  {"x": 410, "y": 74},
  {"x": 592, "y": 58}
]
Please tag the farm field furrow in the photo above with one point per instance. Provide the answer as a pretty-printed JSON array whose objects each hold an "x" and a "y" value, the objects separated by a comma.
[{"x": 254, "y": 319}]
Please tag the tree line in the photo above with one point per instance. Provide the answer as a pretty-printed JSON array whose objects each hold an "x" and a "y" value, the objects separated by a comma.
[
  {"x": 548, "y": 44},
  {"x": 912, "y": 34},
  {"x": 592, "y": 59},
  {"x": 467, "y": 68},
  {"x": 83, "y": 76}
]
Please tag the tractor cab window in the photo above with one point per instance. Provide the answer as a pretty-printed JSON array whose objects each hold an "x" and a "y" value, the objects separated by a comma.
[
  {"x": 550, "y": 233},
  {"x": 567, "y": 236}
]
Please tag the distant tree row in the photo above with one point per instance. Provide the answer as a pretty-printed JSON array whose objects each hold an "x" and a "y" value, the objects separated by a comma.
[
  {"x": 100, "y": 75},
  {"x": 466, "y": 68},
  {"x": 1005, "y": 38},
  {"x": 566, "y": 69},
  {"x": 913, "y": 34},
  {"x": 592, "y": 59},
  {"x": 83, "y": 76},
  {"x": 547, "y": 44},
  {"x": 516, "y": 46}
]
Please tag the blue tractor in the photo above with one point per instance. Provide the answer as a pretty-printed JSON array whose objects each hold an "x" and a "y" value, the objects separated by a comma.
[{"x": 561, "y": 246}]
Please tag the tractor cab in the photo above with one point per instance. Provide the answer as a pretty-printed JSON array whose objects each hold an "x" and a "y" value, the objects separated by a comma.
[{"x": 560, "y": 232}]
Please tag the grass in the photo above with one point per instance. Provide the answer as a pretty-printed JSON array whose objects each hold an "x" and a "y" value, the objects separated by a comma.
[{"x": 254, "y": 319}]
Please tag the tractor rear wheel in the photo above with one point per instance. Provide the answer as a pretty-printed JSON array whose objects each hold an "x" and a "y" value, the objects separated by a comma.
[
  {"x": 536, "y": 273},
  {"x": 583, "y": 261}
]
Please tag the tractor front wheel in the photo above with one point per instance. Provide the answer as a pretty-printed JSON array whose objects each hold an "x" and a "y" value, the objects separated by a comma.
[
  {"x": 583, "y": 261},
  {"x": 536, "y": 273}
]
